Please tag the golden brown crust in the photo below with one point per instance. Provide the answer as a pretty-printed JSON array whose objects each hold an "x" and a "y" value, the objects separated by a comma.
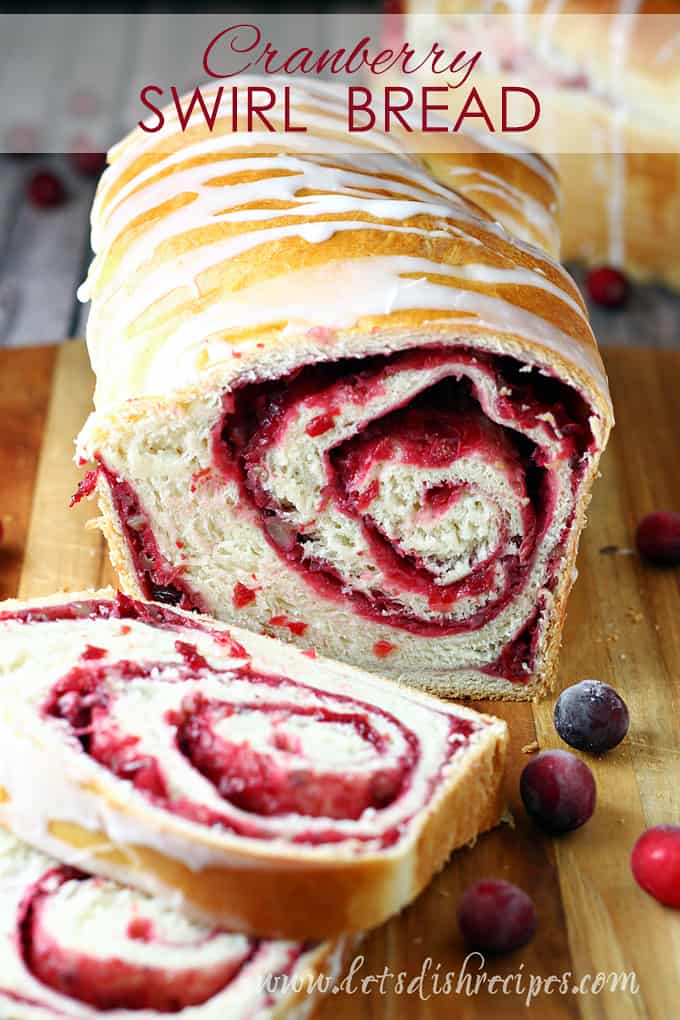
[
  {"x": 583, "y": 28},
  {"x": 647, "y": 218}
]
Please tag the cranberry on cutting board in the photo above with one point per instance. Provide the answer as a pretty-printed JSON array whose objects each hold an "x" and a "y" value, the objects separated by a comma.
[
  {"x": 496, "y": 916},
  {"x": 655, "y": 863},
  {"x": 658, "y": 538},
  {"x": 558, "y": 790},
  {"x": 591, "y": 716}
]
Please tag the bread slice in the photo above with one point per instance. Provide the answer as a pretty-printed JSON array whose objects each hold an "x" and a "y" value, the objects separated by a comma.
[
  {"x": 78, "y": 947},
  {"x": 257, "y": 786}
]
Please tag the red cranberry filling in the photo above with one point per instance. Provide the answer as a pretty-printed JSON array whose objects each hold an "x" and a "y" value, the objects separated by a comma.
[
  {"x": 478, "y": 405},
  {"x": 81, "y": 969},
  {"x": 158, "y": 579},
  {"x": 329, "y": 757},
  {"x": 441, "y": 424},
  {"x": 124, "y": 608},
  {"x": 274, "y": 780}
]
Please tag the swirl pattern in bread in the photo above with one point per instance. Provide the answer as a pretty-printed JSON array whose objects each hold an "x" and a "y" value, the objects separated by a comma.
[
  {"x": 79, "y": 947},
  {"x": 269, "y": 791}
]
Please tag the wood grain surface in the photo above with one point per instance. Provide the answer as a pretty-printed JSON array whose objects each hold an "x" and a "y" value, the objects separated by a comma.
[{"x": 623, "y": 627}]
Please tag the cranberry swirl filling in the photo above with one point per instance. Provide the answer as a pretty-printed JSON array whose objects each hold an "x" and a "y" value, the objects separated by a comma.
[
  {"x": 428, "y": 490},
  {"x": 260, "y": 760},
  {"x": 116, "y": 948},
  {"x": 256, "y": 755}
]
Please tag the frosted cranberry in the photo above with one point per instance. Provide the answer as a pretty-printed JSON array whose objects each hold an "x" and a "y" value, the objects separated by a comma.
[
  {"x": 495, "y": 916},
  {"x": 655, "y": 862},
  {"x": 608, "y": 286},
  {"x": 658, "y": 538},
  {"x": 558, "y": 790},
  {"x": 591, "y": 716},
  {"x": 45, "y": 190}
]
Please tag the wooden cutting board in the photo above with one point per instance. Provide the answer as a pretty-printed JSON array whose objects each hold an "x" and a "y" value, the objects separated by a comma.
[{"x": 623, "y": 627}]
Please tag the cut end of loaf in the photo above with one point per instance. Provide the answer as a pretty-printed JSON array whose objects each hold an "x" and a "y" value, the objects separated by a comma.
[{"x": 367, "y": 420}]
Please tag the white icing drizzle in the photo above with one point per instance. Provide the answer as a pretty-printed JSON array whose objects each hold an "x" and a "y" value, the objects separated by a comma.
[
  {"x": 527, "y": 208},
  {"x": 136, "y": 353}
]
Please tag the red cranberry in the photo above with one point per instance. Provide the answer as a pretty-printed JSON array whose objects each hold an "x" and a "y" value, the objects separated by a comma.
[
  {"x": 658, "y": 538},
  {"x": 591, "y": 716},
  {"x": 655, "y": 862},
  {"x": 86, "y": 159},
  {"x": 495, "y": 916},
  {"x": 608, "y": 286},
  {"x": 89, "y": 162},
  {"x": 45, "y": 190},
  {"x": 558, "y": 790}
]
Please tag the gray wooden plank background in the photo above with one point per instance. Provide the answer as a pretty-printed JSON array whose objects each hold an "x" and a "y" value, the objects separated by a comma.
[{"x": 88, "y": 88}]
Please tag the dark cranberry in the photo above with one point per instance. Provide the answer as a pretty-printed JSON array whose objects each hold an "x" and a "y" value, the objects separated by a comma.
[
  {"x": 86, "y": 159},
  {"x": 655, "y": 862},
  {"x": 45, "y": 190},
  {"x": 495, "y": 916},
  {"x": 558, "y": 790},
  {"x": 658, "y": 538},
  {"x": 591, "y": 716},
  {"x": 166, "y": 593},
  {"x": 608, "y": 286}
]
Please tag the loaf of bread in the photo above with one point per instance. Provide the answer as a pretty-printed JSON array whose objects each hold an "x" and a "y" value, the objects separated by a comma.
[
  {"x": 338, "y": 401},
  {"x": 253, "y": 785}
]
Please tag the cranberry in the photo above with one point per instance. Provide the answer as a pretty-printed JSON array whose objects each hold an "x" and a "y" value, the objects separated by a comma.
[
  {"x": 655, "y": 862},
  {"x": 658, "y": 538},
  {"x": 242, "y": 595},
  {"x": 591, "y": 716},
  {"x": 166, "y": 593},
  {"x": 558, "y": 790},
  {"x": 88, "y": 162},
  {"x": 495, "y": 916},
  {"x": 45, "y": 190},
  {"x": 608, "y": 286}
]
